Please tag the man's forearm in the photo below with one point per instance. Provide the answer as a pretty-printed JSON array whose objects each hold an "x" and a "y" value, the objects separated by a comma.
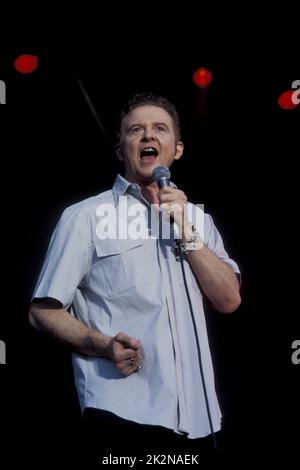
[
  {"x": 217, "y": 279},
  {"x": 59, "y": 324}
]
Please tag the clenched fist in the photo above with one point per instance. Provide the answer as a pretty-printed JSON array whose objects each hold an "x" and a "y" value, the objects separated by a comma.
[{"x": 126, "y": 353}]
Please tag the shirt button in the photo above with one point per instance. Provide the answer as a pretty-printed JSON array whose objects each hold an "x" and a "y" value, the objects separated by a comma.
[{"x": 135, "y": 188}]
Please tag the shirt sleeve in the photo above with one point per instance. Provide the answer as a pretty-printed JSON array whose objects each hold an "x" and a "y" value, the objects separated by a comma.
[
  {"x": 68, "y": 258},
  {"x": 214, "y": 242},
  {"x": 209, "y": 233}
]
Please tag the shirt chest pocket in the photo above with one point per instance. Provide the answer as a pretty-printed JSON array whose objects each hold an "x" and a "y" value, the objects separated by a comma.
[{"x": 119, "y": 265}]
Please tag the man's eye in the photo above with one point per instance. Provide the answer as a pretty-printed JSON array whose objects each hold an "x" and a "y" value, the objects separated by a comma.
[
  {"x": 136, "y": 130},
  {"x": 161, "y": 128}
]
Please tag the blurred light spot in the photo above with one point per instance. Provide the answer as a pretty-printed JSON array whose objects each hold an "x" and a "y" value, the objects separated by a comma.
[
  {"x": 26, "y": 63},
  {"x": 202, "y": 77},
  {"x": 285, "y": 100}
]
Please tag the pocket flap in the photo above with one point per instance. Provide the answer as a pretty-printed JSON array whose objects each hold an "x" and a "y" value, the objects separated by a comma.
[{"x": 109, "y": 247}]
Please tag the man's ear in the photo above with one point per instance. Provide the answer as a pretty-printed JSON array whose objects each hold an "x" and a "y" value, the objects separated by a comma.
[
  {"x": 179, "y": 150},
  {"x": 119, "y": 152}
]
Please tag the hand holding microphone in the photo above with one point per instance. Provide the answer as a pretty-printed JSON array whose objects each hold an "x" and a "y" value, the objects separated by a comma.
[{"x": 172, "y": 201}]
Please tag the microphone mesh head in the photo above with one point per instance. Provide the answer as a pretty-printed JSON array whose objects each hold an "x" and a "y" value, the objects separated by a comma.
[{"x": 160, "y": 172}]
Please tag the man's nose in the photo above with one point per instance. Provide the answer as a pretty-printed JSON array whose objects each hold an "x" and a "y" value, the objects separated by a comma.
[{"x": 148, "y": 133}]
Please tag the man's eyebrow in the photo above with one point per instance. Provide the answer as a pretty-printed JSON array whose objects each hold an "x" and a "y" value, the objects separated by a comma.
[
  {"x": 161, "y": 124},
  {"x": 142, "y": 124}
]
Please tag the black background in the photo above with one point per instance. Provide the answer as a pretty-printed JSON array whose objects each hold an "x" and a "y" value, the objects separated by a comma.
[{"x": 240, "y": 160}]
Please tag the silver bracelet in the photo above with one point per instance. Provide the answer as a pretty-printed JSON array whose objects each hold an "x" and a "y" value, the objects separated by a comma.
[{"x": 191, "y": 243}]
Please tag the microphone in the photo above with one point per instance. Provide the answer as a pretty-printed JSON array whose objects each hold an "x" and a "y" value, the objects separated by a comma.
[{"x": 161, "y": 175}]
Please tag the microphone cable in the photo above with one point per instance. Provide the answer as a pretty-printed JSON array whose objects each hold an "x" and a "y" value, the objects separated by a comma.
[{"x": 180, "y": 257}]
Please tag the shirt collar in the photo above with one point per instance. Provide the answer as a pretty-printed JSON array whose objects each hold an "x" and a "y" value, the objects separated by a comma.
[{"x": 121, "y": 187}]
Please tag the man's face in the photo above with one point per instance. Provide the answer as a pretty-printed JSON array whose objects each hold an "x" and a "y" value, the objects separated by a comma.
[{"x": 147, "y": 140}]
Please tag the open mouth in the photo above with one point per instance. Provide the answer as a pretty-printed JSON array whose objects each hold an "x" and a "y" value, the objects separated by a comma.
[{"x": 148, "y": 154}]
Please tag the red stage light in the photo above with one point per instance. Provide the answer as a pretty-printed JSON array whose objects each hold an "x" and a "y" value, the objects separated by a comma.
[
  {"x": 202, "y": 77},
  {"x": 285, "y": 100},
  {"x": 26, "y": 63}
]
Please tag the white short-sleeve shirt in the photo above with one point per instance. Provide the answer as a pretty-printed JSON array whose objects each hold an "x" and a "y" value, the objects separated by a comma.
[{"x": 134, "y": 286}]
